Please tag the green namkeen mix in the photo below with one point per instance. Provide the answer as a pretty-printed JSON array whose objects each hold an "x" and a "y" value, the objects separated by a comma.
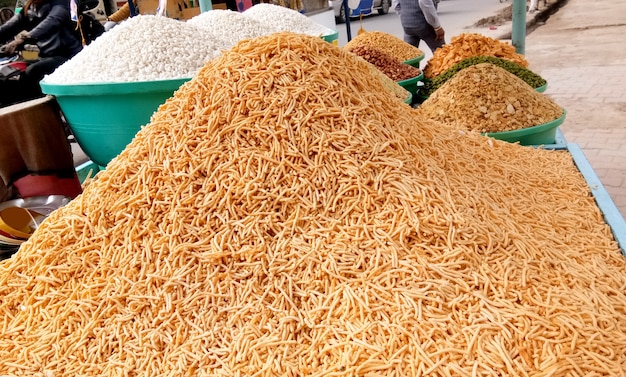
[
  {"x": 530, "y": 77},
  {"x": 283, "y": 215}
]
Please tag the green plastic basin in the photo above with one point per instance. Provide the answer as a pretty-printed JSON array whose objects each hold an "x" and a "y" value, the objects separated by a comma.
[
  {"x": 415, "y": 62},
  {"x": 409, "y": 99},
  {"x": 420, "y": 96},
  {"x": 104, "y": 117},
  {"x": 332, "y": 38},
  {"x": 537, "y": 135},
  {"x": 411, "y": 84}
]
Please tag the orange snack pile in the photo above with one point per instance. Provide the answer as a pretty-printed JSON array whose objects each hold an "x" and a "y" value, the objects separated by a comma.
[
  {"x": 467, "y": 45},
  {"x": 283, "y": 215}
]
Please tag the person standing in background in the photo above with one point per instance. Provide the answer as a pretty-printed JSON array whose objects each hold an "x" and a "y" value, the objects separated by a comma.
[
  {"x": 47, "y": 25},
  {"x": 420, "y": 22}
]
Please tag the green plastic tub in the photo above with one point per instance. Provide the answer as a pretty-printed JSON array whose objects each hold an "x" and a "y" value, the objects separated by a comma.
[
  {"x": 411, "y": 84},
  {"x": 415, "y": 62},
  {"x": 538, "y": 135},
  {"x": 420, "y": 97},
  {"x": 86, "y": 170},
  {"x": 409, "y": 99},
  {"x": 104, "y": 117},
  {"x": 332, "y": 38}
]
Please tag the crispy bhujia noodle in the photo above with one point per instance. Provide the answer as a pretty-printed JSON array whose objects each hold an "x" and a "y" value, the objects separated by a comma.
[{"x": 283, "y": 215}]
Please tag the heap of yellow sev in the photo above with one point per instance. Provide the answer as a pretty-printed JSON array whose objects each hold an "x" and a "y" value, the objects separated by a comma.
[{"x": 283, "y": 215}]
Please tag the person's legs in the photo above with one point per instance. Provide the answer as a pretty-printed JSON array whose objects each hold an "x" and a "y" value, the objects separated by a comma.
[
  {"x": 35, "y": 72},
  {"x": 434, "y": 43},
  {"x": 411, "y": 36},
  {"x": 430, "y": 38},
  {"x": 427, "y": 34}
]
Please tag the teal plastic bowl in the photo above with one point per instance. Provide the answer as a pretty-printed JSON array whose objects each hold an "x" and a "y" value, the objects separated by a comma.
[
  {"x": 411, "y": 84},
  {"x": 538, "y": 135},
  {"x": 420, "y": 97},
  {"x": 415, "y": 62},
  {"x": 87, "y": 169},
  {"x": 332, "y": 38},
  {"x": 409, "y": 99},
  {"x": 104, "y": 117}
]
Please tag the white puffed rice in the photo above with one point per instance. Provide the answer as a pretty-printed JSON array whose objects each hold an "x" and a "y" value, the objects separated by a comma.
[
  {"x": 142, "y": 48},
  {"x": 231, "y": 26},
  {"x": 286, "y": 19}
]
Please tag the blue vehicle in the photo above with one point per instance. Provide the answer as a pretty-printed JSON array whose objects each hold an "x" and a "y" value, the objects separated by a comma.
[{"x": 366, "y": 7}]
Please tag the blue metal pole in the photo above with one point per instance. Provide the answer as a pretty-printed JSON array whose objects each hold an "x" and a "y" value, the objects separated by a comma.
[
  {"x": 518, "y": 34},
  {"x": 347, "y": 12},
  {"x": 131, "y": 7}
]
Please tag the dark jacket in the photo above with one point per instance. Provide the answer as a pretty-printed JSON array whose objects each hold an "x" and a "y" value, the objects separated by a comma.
[{"x": 49, "y": 27}]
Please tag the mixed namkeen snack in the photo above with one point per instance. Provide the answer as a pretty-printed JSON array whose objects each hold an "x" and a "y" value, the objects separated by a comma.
[
  {"x": 488, "y": 98},
  {"x": 283, "y": 215},
  {"x": 529, "y": 77}
]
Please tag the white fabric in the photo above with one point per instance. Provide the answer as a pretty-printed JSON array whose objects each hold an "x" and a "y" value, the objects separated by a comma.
[{"x": 430, "y": 12}]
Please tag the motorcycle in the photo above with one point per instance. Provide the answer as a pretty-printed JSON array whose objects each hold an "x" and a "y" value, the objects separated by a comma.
[{"x": 12, "y": 66}]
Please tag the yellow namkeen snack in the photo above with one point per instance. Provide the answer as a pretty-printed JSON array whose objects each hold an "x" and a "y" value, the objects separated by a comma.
[
  {"x": 282, "y": 216},
  {"x": 388, "y": 43}
]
